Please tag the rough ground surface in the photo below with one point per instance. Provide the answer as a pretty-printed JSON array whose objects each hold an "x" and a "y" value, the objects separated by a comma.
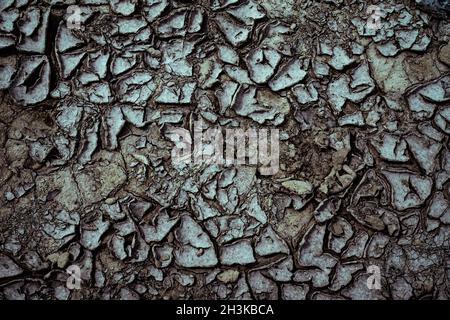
[{"x": 85, "y": 171}]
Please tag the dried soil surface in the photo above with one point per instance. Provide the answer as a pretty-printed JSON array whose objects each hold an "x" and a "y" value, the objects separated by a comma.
[{"x": 360, "y": 91}]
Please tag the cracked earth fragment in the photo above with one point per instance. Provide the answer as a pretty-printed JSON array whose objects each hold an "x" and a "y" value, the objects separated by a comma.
[{"x": 87, "y": 178}]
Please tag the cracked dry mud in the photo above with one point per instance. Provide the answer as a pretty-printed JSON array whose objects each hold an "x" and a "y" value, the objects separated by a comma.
[{"x": 86, "y": 177}]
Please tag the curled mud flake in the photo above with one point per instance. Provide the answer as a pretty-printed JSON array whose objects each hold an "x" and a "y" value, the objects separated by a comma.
[
  {"x": 113, "y": 210},
  {"x": 261, "y": 105},
  {"x": 33, "y": 30},
  {"x": 401, "y": 289},
  {"x": 262, "y": 63},
  {"x": 237, "y": 253},
  {"x": 235, "y": 32},
  {"x": 294, "y": 292},
  {"x": 311, "y": 255},
  {"x": 290, "y": 74},
  {"x": 442, "y": 119},
  {"x": 327, "y": 209},
  {"x": 169, "y": 116},
  {"x": 92, "y": 232},
  {"x": 195, "y": 249},
  {"x": 444, "y": 54},
  {"x": 69, "y": 115},
  {"x": 238, "y": 74},
  {"x": 228, "y": 199},
  {"x": 344, "y": 275},
  {"x": 154, "y": 8},
  {"x": 299, "y": 187},
  {"x": 262, "y": 287},
  {"x": 377, "y": 244},
  {"x": 98, "y": 65},
  {"x": 254, "y": 209},
  {"x": 388, "y": 49},
  {"x": 139, "y": 209},
  {"x": 226, "y": 177},
  {"x": 125, "y": 228},
  {"x": 227, "y": 54},
  {"x": 281, "y": 270},
  {"x": 340, "y": 59},
  {"x": 439, "y": 208},
  {"x": 7, "y": 41},
  {"x": 65, "y": 149},
  {"x": 123, "y": 62},
  {"x": 408, "y": 190},
  {"x": 210, "y": 70},
  {"x": 40, "y": 150},
  {"x": 113, "y": 123},
  {"x": 117, "y": 246},
  {"x": 358, "y": 290},
  {"x": 70, "y": 62},
  {"x": 8, "y": 68},
  {"x": 279, "y": 36},
  {"x": 181, "y": 94},
  {"x": 391, "y": 148},
  {"x": 355, "y": 88},
  {"x": 136, "y": 88},
  {"x": 429, "y": 131},
  {"x": 180, "y": 22},
  {"x": 306, "y": 93},
  {"x": 89, "y": 144},
  {"x": 422, "y": 43},
  {"x": 127, "y": 26},
  {"x": 203, "y": 209},
  {"x": 67, "y": 39},
  {"x": 163, "y": 255},
  {"x": 97, "y": 93},
  {"x": 247, "y": 12},
  {"x": 8, "y": 268},
  {"x": 357, "y": 245},
  {"x": 425, "y": 151},
  {"x": 317, "y": 277},
  {"x": 226, "y": 229},
  {"x": 62, "y": 226},
  {"x": 31, "y": 84},
  {"x": 220, "y": 4},
  {"x": 210, "y": 190},
  {"x": 340, "y": 233},
  {"x": 161, "y": 225},
  {"x": 353, "y": 119},
  {"x": 174, "y": 58},
  {"x": 123, "y": 7},
  {"x": 406, "y": 38},
  {"x": 8, "y": 18},
  {"x": 361, "y": 83},
  {"x": 424, "y": 100},
  {"x": 270, "y": 243},
  {"x": 135, "y": 116}
]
